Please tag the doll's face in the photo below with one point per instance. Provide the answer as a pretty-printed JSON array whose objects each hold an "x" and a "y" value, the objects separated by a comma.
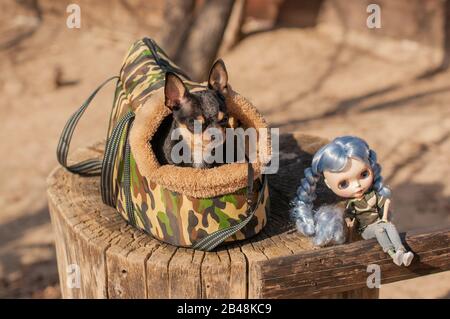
[{"x": 352, "y": 182}]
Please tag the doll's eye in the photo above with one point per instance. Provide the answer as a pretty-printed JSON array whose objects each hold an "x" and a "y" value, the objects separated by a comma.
[
  {"x": 365, "y": 173},
  {"x": 343, "y": 184}
]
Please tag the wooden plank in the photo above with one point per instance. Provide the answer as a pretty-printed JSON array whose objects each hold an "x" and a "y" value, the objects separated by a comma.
[
  {"x": 260, "y": 248},
  {"x": 238, "y": 272},
  {"x": 126, "y": 269},
  {"x": 184, "y": 274},
  {"x": 82, "y": 233},
  {"x": 157, "y": 270},
  {"x": 344, "y": 268},
  {"x": 224, "y": 273},
  {"x": 118, "y": 261},
  {"x": 253, "y": 256},
  {"x": 215, "y": 275}
]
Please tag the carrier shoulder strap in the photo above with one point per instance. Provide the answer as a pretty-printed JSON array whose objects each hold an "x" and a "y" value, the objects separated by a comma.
[
  {"x": 92, "y": 167},
  {"x": 87, "y": 167},
  {"x": 122, "y": 127},
  {"x": 214, "y": 239}
]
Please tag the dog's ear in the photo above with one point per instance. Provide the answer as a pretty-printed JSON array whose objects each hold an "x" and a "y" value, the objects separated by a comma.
[
  {"x": 218, "y": 77},
  {"x": 174, "y": 91}
]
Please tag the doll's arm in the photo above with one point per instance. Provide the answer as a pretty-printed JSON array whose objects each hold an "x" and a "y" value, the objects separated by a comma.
[
  {"x": 387, "y": 203},
  {"x": 349, "y": 221},
  {"x": 349, "y": 216},
  {"x": 351, "y": 233}
]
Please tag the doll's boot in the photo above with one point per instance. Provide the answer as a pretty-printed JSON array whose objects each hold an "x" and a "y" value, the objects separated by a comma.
[
  {"x": 407, "y": 258},
  {"x": 397, "y": 257}
]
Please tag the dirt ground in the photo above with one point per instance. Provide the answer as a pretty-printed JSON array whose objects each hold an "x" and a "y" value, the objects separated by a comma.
[{"x": 311, "y": 80}]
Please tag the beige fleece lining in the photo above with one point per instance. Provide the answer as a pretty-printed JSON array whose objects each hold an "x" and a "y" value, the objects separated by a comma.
[{"x": 199, "y": 183}]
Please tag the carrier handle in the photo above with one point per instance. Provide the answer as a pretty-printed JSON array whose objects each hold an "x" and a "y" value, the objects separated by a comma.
[
  {"x": 88, "y": 167},
  {"x": 213, "y": 240},
  {"x": 93, "y": 167},
  {"x": 109, "y": 159}
]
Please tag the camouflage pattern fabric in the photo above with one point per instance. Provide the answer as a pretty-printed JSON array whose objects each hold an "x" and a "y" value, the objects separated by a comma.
[{"x": 169, "y": 216}]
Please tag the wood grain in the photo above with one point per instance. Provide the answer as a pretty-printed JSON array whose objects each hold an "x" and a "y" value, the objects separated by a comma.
[
  {"x": 118, "y": 261},
  {"x": 344, "y": 268}
]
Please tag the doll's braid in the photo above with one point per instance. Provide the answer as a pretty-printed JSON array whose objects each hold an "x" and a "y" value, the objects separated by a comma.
[
  {"x": 378, "y": 184},
  {"x": 302, "y": 211}
]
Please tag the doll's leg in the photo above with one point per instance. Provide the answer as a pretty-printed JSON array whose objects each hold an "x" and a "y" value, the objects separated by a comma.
[
  {"x": 383, "y": 239},
  {"x": 378, "y": 232},
  {"x": 394, "y": 236},
  {"x": 388, "y": 246},
  {"x": 403, "y": 254}
]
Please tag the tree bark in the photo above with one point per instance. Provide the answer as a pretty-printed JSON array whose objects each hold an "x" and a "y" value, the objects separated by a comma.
[
  {"x": 178, "y": 16},
  {"x": 233, "y": 31},
  {"x": 200, "y": 48}
]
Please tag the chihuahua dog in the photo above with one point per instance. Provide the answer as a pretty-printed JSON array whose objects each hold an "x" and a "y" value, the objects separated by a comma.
[{"x": 194, "y": 114}]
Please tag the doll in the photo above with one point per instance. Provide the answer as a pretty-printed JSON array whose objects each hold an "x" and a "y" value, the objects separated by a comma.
[{"x": 350, "y": 169}]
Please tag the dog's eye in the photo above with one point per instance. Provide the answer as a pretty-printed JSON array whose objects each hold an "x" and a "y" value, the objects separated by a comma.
[
  {"x": 190, "y": 124},
  {"x": 223, "y": 120}
]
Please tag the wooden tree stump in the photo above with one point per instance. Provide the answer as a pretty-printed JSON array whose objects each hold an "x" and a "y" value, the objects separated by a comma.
[{"x": 114, "y": 260}]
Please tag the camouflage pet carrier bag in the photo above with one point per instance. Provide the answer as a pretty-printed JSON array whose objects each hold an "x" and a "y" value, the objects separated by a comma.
[{"x": 182, "y": 206}]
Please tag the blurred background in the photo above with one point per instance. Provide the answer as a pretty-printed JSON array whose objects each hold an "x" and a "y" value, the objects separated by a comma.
[{"x": 308, "y": 65}]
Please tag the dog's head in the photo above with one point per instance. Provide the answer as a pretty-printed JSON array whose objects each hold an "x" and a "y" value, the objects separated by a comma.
[{"x": 203, "y": 112}]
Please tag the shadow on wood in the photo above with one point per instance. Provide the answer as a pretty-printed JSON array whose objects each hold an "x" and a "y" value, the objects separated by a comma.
[
  {"x": 342, "y": 268},
  {"x": 118, "y": 261}
]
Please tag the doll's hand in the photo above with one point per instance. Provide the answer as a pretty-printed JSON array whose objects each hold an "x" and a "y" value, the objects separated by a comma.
[{"x": 350, "y": 222}]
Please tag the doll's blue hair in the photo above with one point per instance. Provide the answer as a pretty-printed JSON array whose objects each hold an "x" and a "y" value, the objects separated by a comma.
[{"x": 331, "y": 157}]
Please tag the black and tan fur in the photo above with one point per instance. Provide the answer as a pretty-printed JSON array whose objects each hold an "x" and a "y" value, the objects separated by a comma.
[{"x": 207, "y": 107}]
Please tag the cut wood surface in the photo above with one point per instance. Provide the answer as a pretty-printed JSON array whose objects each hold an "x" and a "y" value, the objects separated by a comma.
[{"x": 117, "y": 261}]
